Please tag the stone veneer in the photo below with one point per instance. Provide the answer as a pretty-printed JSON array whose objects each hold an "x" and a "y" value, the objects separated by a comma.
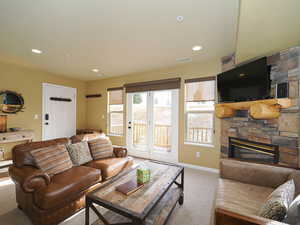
[{"x": 284, "y": 131}]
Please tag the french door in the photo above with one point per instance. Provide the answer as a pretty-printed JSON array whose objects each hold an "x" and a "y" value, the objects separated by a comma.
[{"x": 152, "y": 124}]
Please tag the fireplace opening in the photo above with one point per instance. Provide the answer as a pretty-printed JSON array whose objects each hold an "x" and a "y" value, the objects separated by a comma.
[{"x": 253, "y": 151}]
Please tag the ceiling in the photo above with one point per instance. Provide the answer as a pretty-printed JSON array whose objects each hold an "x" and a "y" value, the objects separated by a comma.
[{"x": 116, "y": 36}]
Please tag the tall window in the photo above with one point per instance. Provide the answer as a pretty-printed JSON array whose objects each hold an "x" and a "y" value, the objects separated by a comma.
[
  {"x": 199, "y": 110},
  {"x": 115, "y": 111}
]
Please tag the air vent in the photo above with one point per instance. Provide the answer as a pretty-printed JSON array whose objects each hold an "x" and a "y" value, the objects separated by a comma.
[{"x": 186, "y": 59}]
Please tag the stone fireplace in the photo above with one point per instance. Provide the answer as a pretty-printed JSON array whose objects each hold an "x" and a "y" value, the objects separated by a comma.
[{"x": 282, "y": 134}]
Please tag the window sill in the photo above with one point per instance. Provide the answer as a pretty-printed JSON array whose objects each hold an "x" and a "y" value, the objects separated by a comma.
[
  {"x": 115, "y": 135},
  {"x": 200, "y": 145}
]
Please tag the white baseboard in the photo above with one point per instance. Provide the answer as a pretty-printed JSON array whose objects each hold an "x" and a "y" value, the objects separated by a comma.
[{"x": 217, "y": 171}]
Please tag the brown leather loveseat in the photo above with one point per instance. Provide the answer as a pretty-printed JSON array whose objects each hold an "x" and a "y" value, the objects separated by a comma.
[{"x": 49, "y": 200}]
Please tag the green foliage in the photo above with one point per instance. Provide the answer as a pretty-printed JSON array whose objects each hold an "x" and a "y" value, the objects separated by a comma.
[{"x": 137, "y": 99}]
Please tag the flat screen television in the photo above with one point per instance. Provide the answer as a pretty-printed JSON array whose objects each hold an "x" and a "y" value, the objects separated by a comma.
[{"x": 247, "y": 82}]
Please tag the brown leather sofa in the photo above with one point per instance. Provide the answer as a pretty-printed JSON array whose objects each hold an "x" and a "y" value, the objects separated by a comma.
[
  {"x": 49, "y": 200},
  {"x": 243, "y": 189}
]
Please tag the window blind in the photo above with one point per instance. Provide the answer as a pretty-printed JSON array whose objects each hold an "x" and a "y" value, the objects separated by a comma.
[
  {"x": 115, "y": 96},
  {"x": 200, "y": 89},
  {"x": 173, "y": 83}
]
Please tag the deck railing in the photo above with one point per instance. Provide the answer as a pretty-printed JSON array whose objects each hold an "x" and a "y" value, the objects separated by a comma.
[{"x": 162, "y": 134}]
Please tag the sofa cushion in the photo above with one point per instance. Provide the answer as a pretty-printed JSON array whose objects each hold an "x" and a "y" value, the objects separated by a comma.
[
  {"x": 253, "y": 173},
  {"x": 245, "y": 199},
  {"x": 80, "y": 153},
  {"x": 278, "y": 202},
  {"x": 111, "y": 166},
  {"x": 52, "y": 160},
  {"x": 101, "y": 148},
  {"x": 65, "y": 185},
  {"x": 21, "y": 153}
]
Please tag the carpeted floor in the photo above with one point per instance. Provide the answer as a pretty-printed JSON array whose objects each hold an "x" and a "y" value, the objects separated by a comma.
[{"x": 199, "y": 187}]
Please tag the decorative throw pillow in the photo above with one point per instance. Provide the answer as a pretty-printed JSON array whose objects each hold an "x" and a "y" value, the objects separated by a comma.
[
  {"x": 293, "y": 213},
  {"x": 278, "y": 202},
  {"x": 101, "y": 148},
  {"x": 79, "y": 153},
  {"x": 53, "y": 159}
]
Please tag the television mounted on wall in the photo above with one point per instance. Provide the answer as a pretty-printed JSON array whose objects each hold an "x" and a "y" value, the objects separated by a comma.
[{"x": 247, "y": 82}]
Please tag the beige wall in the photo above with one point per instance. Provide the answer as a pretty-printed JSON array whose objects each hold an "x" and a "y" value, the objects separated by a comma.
[
  {"x": 28, "y": 82},
  {"x": 96, "y": 108},
  {"x": 267, "y": 26}
]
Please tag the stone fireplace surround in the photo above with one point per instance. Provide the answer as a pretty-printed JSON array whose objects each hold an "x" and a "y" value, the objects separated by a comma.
[{"x": 283, "y": 131}]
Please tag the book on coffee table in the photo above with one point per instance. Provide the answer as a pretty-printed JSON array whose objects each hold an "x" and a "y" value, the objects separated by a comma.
[{"x": 129, "y": 187}]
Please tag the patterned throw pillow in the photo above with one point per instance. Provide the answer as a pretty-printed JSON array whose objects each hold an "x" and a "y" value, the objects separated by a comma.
[
  {"x": 278, "y": 202},
  {"x": 53, "y": 159},
  {"x": 79, "y": 153},
  {"x": 101, "y": 148}
]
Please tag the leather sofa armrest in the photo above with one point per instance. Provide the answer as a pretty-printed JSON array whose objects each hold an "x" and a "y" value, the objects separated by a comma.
[
  {"x": 119, "y": 151},
  {"x": 29, "y": 178}
]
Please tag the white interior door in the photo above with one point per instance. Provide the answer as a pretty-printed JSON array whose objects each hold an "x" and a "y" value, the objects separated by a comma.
[
  {"x": 152, "y": 125},
  {"x": 59, "y": 111}
]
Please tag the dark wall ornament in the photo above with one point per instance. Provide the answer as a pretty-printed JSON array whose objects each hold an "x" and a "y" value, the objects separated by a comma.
[{"x": 11, "y": 102}]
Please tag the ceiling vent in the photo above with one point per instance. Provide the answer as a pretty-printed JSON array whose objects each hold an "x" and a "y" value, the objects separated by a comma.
[{"x": 182, "y": 60}]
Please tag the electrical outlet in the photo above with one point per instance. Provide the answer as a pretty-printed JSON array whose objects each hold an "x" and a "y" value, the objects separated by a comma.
[
  {"x": 198, "y": 154},
  {"x": 36, "y": 116}
]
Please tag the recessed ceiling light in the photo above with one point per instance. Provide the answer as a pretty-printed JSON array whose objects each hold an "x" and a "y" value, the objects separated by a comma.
[
  {"x": 95, "y": 70},
  {"x": 179, "y": 18},
  {"x": 37, "y": 51},
  {"x": 197, "y": 48}
]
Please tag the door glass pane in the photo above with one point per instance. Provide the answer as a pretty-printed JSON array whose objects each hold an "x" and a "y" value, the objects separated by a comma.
[
  {"x": 139, "y": 120},
  {"x": 116, "y": 123},
  {"x": 199, "y": 127},
  {"x": 162, "y": 118}
]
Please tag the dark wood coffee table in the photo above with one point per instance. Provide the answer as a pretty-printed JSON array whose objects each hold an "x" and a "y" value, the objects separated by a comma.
[{"x": 152, "y": 204}]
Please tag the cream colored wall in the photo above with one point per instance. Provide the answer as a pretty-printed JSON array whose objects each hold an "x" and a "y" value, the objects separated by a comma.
[
  {"x": 28, "y": 82},
  {"x": 97, "y": 108},
  {"x": 267, "y": 26}
]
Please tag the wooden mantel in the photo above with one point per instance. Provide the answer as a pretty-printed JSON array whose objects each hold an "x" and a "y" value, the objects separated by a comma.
[{"x": 260, "y": 109}]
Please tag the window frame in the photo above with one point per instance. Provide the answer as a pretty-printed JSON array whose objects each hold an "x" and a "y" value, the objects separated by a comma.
[
  {"x": 187, "y": 112},
  {"x": 109, "y": 113}
]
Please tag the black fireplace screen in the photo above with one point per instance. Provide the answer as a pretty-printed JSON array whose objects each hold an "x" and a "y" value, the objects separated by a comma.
[{"x": 252, "y": 151}]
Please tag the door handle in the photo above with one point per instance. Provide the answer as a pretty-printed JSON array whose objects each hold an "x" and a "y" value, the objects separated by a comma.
[
  {"x": 129, "y": 127},
  {"x": 46, "y": 116},
  {"x": 46, "y": 123}
]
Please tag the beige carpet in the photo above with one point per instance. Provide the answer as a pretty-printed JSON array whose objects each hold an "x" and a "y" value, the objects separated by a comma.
[{"x": 199, "y": 187}]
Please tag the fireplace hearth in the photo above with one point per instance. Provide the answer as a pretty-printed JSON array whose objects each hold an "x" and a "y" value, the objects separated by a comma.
[{"x": 253, "y": 151}]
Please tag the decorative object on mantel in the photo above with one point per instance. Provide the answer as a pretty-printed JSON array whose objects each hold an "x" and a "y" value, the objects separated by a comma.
[
  {"x": 11, "y": 102},
  {"x": 3, "y": 123},
  {"x": 23, "y": 135},
  {"x": 260, "y": 109},
  {"x": 94, "y": 96}
]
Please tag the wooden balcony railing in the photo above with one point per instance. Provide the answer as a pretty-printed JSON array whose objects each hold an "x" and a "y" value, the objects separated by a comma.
[
  {"x": 199, "y": 135},
  {"x": 162, "y": 134}
]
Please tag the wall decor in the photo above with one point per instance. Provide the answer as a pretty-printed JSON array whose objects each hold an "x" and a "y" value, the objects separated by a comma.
[{"x": 11, "y": 102}]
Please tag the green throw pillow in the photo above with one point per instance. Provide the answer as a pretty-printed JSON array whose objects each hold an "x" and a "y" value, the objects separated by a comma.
[{"x": 79, "y": 153}]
